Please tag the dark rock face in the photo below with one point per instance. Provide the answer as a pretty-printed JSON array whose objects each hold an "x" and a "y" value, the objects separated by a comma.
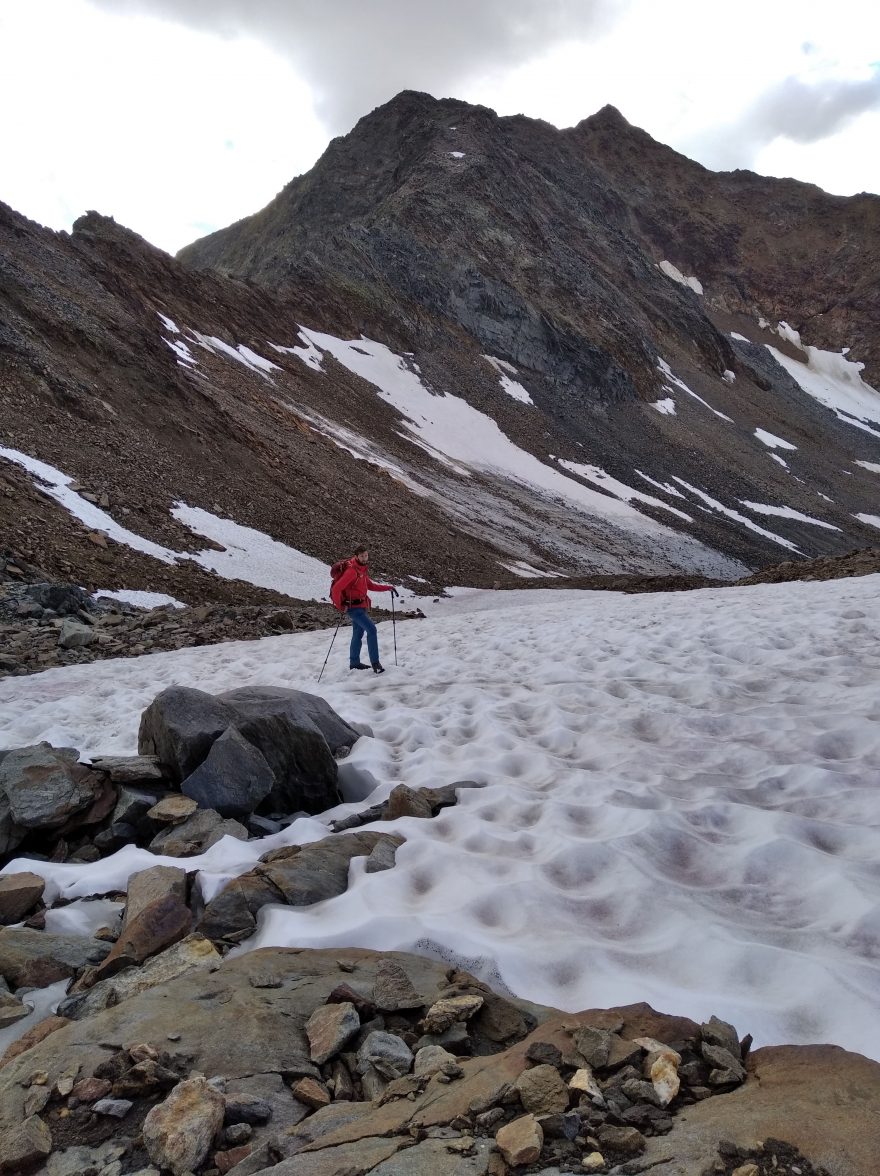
[
  {"x": 277, "y": 750},
  {"x": 179, "y": 727},
  {"x": 234, "y": 779}
]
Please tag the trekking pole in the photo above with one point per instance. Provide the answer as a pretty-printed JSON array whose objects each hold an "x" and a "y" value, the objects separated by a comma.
[
  {"x": 330, "y": 650},
  {"x": 394, "y": 627}
]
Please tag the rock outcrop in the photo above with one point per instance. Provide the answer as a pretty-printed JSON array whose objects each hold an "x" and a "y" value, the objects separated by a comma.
[{"x": 218, "y": 1070}]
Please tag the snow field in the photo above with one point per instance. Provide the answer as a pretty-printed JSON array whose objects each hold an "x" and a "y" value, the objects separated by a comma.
[{"x": 678, "y": 798}]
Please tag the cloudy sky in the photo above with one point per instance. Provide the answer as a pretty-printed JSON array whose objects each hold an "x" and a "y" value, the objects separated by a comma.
[{"x": 180, "y": 116}]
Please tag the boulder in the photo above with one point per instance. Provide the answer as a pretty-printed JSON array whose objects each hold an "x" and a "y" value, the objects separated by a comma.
[
  {"x": 75, "y": 635},
  {"x": 27, "y": 1147},
  {"x": 19, "y": 894},
  {"x": 156, "y": 915},
  {"x": 196, "y": 834},
  {"x": 304, "y": 875},
  {"x": 11, "y": 1010},
  {"x": 45, "y": 785},
  {"x": 386, "y": 1053},
  {"x": 179, "y": 727},
  {"x": 542, "y": 1091},
  {"x": 445, "y": 1012},
  {"x": 330, "y": 1028},
  {"x": 195, "y": 953},
  {"x": 520, "y": 1142},
  {"x": 233, "y": 780},
  {"x": 34, "y": 959},
  {"x": 393, "y": 990},
  {"x": 179, "y": 1132},
  {"x": 300, "y": 707},
  {"x": 297, "y": 734},
  {"x": 10, "y": 834},
  {"x": 172, "y": 810}
]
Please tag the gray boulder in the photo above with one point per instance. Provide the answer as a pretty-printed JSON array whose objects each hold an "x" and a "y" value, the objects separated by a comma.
[
  {"x": 179, "y": 727},
  {"x": 298, "y": 735},
  {"x": 45, "y": 786},
  {"x": 75, "y": 635},
  {"x": 234, "y": 779},
  {"x": 129, "y": 769},
  {"x": 299, "y": 706}
]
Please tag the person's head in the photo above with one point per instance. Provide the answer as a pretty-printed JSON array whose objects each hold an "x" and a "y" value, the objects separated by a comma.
[{"x": 362, "y": 555}]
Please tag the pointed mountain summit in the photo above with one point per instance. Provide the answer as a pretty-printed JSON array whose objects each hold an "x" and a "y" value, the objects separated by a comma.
[{"x": 544, "y": 243}]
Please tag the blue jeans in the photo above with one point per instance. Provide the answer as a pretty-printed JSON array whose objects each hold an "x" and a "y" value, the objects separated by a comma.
[{"x": 362, "y": 626}]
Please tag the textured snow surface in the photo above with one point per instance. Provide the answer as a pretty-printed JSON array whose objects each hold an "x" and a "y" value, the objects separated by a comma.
[
  {"x": 140, "y": 599},
  {"x": 680, "y": 798},
  {"x": 772, "y": 441},
  {"x": 675, "y": 273},
  {"x": 511, "y": 387},
  {"x": 786, "y": 512},
  {"x": 833, "y": 380}
]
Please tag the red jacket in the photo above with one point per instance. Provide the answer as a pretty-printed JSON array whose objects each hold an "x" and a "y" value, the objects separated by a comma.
[{"x": 350, "y": 590}]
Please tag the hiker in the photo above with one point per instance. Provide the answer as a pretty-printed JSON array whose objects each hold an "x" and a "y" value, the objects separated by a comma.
[{"x": 351, "y": 582}]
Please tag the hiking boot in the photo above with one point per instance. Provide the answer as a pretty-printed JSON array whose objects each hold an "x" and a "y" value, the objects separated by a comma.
[
  {"x": 378, "y": 668},
  {"x": 358, "y": 666}
]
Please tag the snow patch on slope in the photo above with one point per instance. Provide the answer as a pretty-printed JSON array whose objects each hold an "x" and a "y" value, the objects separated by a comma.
[
  {"x": 254, "y": 557},
  {"x": 675, "y": 273},
  {"x": 833, "y": 380},
  {"x": 599, "y": 477},
  {"x": 786, "y": 512},
  {"x": 511, "y": 387},
  {"x": 736, "y": 516},
  {"x": 455, "y": 433},
  {"x": 772, "y": 441},
  {"x": 873, "y": 466},
  {"x": 139, "y": 599},
  {"x": 667, "y": 371}
]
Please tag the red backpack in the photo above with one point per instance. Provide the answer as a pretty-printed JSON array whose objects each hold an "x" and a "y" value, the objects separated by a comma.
[{"x": 336, "y": 572}]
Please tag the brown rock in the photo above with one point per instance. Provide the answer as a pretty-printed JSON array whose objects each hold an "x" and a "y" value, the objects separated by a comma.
[
  {"x": 406, "y": 802},
  {"x": 623, "y": 1141},
  {"x": 26, "y": 1148},
  {"x": 329, "y": 1029},
  {"x": 171, "y": 810},
  {"x": 178, "y": 1133},
  {"x": 19, "y": 894},
  {"x": 444, "y": 1013},
  {"x": 520, "y": 1142},
  {"x": 156, "y": 916},
  {"x": 89, "y": 1090},
  {"x": 312, "y": 1093},
  {"x": 225, "y": 1161},
  {"x": 33, "y": 1037}
]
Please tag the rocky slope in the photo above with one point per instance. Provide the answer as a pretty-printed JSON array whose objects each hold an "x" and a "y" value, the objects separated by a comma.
[{"x": 147, "y": 382}]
